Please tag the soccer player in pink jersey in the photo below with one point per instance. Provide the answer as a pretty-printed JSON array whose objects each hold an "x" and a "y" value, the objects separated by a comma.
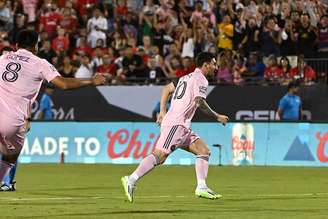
[
  {"x": 187, "y": 95},
  {"x": 21, "y": 76}
]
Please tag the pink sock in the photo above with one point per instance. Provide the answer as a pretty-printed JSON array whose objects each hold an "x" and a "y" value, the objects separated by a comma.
[
  {"x": 4, "y": 169},
  {"x": 201, "y": 170},
  {"x": 146, "y": 165}
]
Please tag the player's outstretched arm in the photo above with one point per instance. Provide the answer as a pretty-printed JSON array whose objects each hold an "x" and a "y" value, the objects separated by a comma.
[
  {"x": 166, "y": 93},
  {"x": 71, "y": 83},
  {"x": 202, "y": 104}
]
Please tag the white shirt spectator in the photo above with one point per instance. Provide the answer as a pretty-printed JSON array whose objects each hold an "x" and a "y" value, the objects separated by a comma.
[
  {"x": 94, "y": 35},
  {"x": 83, "y": 72},
  {"x": 188, "y": 48},
  {"x": 29, "y": 9}
]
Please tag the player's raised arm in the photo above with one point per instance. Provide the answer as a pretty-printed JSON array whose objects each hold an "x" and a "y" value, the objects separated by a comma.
[
  {"x": 71, "y": 83},
  {"x": 166, "y": 93},
  {"x": 202, "y": 104}
]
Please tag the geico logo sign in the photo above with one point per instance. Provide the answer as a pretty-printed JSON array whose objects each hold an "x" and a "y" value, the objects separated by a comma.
[{"x": 264, "y": 115}]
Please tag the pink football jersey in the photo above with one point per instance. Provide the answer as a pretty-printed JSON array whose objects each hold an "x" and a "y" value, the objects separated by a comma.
[
  {"x": 183, "y": 105},
  {"x": 21, "y": 76}
]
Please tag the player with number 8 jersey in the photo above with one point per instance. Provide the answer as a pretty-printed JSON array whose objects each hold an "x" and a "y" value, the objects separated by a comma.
[{"x": 22, "y": 74}]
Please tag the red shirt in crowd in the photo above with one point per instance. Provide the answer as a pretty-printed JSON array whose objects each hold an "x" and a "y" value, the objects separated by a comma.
[
  {"x": 103, "y": 69},
  {"x": 184, "y": 71},
  {"x": 84, "y": 49},
  {"x": 273, "y": 73},
  {"x": 121, "y": 10},
  {"x": 308, "y": 73},
  {"x": 60, "y": 43},
  {"x": 83, "y": 5},
  {"x": 69, "y": 24},
  {"x": 50, "y": 20}
]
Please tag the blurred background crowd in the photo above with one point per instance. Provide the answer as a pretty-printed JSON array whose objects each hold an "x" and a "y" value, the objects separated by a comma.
[{"x": 152, "y": 41}]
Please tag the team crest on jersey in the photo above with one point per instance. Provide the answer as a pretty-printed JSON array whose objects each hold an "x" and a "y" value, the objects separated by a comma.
[{"x": 202, "y": 89}]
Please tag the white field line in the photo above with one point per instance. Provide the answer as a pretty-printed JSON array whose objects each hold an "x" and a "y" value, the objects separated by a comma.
[{"x": 162, "y": 196}]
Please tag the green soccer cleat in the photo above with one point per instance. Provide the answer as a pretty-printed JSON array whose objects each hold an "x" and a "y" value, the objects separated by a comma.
[
  {"x": 207, "y": 193},
  {"x": 128, "y": 188}
]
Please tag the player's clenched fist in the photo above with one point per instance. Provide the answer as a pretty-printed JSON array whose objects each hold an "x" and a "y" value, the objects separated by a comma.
[
  {"x": 98, "y": 79},
  {"x": 222, "y": 119}
]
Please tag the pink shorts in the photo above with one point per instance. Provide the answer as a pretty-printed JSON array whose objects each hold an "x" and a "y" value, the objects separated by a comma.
[
  {"x": 12, "y": 135},
  {"x": 173, "y": 137}
]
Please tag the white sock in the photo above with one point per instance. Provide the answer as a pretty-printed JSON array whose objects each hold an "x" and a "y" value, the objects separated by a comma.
[
  {"x": 201, "y": 184},
  {"x": 133, "y": 178}
]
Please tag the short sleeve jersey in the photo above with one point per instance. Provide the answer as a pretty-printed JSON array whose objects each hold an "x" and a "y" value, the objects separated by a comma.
[
  {"x": 21, "y": 76},
  {"x": 183, "y": 104}
]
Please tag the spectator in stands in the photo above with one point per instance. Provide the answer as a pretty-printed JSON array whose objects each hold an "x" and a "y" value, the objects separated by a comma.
[
  {"x": 187, "y": 43},
  {"x": 19, "y": 24},
  {"x": 49, "y": 19},
  {"x": 85, "y": 69},
  {"x": 238, "y": 69},
  {"x": 323, "y": 37},
  {"x": 270, "y": 38},
  {"x": 273, "y": 73},
  {"x": 173, "y": 51},
  {"x": 29, "y": 7},
  {"x": 97, "y": 59},
  {"x": 154, "y": 72},
  {"x": 6, "y": 17},
  {"x": 286, "y": 68},
  {"x": 108, "y": 67},
  {"x": 133, "y": 67},
  {"x": 149, "y": 7},
  {"x": 187, "y": 67},
  {"x": 67, "y": 69},
  {"x": 118, "y": 40},
  {"x": 130, "y": 25},
  {"x": 287, "y": 46},
  {"x": 84, "y": 6},
  {"x": 61, "y": 42},
  {"x": 82, "y": 47},
  {"x": 147, "y": 44},
  {"x": 303, "y": 72},
  {"x": 251, "y": 43},
  {"x": 295, "y": 16},
  {"x": 141, "y": 52},
  {"x": 306, "y": 37},
  {"x": 174, "y": 65},
  {"x": 255, "y": 68},
  {"x": 121, "y": 10},
  {"x": 46, "y": 52},
  {"x": 68, "y": 22},
  {"x": 224, "y": 72},
  {"x": 97, "y": 27},
  {"x": 225, "y": 33}
]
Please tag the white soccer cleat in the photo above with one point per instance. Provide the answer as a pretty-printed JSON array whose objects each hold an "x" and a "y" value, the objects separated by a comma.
[{"x": 207, "y": 193}]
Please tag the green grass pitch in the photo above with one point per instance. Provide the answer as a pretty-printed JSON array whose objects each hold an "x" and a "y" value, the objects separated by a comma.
[{"x": 94, "y": 191}]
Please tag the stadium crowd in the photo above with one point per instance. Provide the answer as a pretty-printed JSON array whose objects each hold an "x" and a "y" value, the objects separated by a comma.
[{"x": 151, "y": 41}]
